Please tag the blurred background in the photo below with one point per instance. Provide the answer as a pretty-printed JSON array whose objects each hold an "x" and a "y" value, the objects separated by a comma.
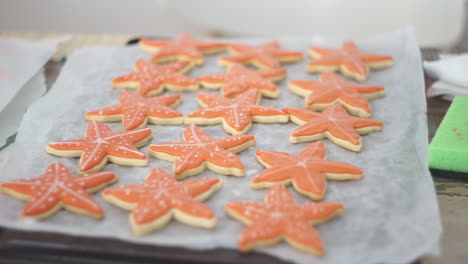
[{"x": 438, "y": 23}]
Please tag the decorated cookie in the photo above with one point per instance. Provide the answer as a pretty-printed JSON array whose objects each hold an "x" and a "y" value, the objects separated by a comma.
[
  {"x": 136, "y": 111},
  {"x": 161, "y": 198},
  {"x": 281, "y": 218},
  {"x": 57, "y": 188},
  {"x": 307, "y": 171},
  {"x": 264, "y": 56},
  {"x": 239, "y": 79},
  {"x": 151, "y": 79},
  {"x": 333, "y": 123},
  {"x": 182, "y": 47},
  {"x": 101, "y": 145},
  {"x": 332, "y": 89},
  {"x": 236, "y": 114},
  {"x": 200, "y": 151},
  {"x": 349, "y": 60}
]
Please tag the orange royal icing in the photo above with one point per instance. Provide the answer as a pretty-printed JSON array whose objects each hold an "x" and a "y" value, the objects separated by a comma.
[
  {"x": 280, "y": 217},
  {"x": 237, "y": 112},
  {"x": 152, "y": 78},
  {"x": 135, "y": 109},
  {"x": 182, "y": 46},
  {"x": 348, "y": 56},
  {"x": 239, "y": 79},
  {"x": 265, "y": 55},
  {"x": 305, "y": 170},
  {"x": 331, "y": 88},
  {"x": 161, "y": 194},
  {"x": 199, "y": 148},
  {"x": 334, "y": 120},
  {"x": 100, "y": 143},
  {"x": 58, "y": 187}
]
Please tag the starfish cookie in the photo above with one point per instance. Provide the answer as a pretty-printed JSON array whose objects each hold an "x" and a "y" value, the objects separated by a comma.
[
  {"x": 349, "y": 60},
  {"x": 306, "y": 171},
  {"x": 161, "y": 198},
  {"x": 150, "y": 79},
  {"x": 182, "y": 47},
  {"x": 200, "y": 151},
  {"x": 333, "y": 123},
  {"x": 236, "y": 114},
  {"x": 264, "y": 56},
  {"x": 101, "y": 145},
  {"x": 332, "y": 89},
  {"x": 280, "y": 217},
  {"x": 135, "y": 111},
  {"x": 239, "y": 79},
  {"x": 57, "y": 188}
]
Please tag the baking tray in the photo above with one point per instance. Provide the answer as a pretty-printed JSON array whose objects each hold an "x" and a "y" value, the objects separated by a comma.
[{"x": 23, "y": 247}]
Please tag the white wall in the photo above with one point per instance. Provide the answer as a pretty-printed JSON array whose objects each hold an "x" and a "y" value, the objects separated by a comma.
[{"x": 437, "y": 22}]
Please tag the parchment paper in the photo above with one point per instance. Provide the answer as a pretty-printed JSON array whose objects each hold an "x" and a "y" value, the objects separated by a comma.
[
  {"x": 392, "y": 214},
  {"x": 21, "y": 62},
  {"x": 11, "y": 115}
]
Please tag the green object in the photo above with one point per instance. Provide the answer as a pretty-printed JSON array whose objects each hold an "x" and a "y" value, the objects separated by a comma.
[{"x": 449, "y": 147}]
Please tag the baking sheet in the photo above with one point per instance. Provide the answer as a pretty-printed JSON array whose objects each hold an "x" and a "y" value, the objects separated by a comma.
[{"x": 391, "y": 216}]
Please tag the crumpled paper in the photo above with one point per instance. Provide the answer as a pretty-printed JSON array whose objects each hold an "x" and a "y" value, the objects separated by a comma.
[
  {"x": 11, "y": 115},
  {"x": 450, "y": 74},
  {"x": 392, "y": 214},
  {"x": 21, "y": 78}
]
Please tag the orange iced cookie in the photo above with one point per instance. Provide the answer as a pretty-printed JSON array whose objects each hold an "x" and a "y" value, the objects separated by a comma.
[
  {"x": 348, "y": 59},
  {"x": 182, "y": 47},
  {"x": 151, "y": 79},
  {"x": 307, "y": 171},
  {"x": 199, "y": 151},
  {"x": 136, "y": 111},
  {"x": 101, "y": 145},
  {"x": 281, "y": 218},
  {"x": 57, "y": 188},
  {"x": 264, "y": 56},
  {"x": 333, "y": 123},
  {"x": 332, "y": 89},
  {"x": 239, "y": 79},
  {"x": 236, "y": 114},
  {"x": 161, "y": 198}
]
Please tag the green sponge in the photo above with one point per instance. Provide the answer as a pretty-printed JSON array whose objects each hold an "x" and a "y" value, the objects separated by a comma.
[{"x": 449, "y": 147}]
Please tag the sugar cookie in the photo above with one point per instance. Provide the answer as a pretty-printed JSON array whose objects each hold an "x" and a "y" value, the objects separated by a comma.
[
  {"x": 263, "y": 56},
  {"x": 182, "y": 47},
  {"x": 101, "y": 145},
  {"x": 161, "y": 198},
  {"x": 57, "y": 188},
  {"x": 239, "y": 79},
  {"x": 281, "y": 218},
  {"x": 136, "y": 111},
  {"x": 348, "y": 59},
  {"x": 236, "y": 114},
  {"x": 151, "y": 79},
  {"x": 333, "y": 123},
  {"x": 200, "y": 151},
  {"x": 332, "y": 89},
  {"x": 307, "y": 171}
]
